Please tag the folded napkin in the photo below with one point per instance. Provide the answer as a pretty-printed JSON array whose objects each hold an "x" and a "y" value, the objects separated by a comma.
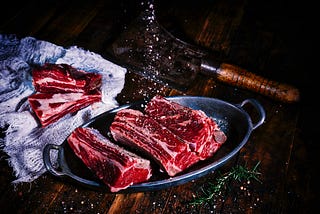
[{"x": 24, "y": 139}]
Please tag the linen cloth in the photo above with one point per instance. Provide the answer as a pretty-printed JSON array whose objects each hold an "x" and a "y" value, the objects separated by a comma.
[{"x": 24, "y": 138}]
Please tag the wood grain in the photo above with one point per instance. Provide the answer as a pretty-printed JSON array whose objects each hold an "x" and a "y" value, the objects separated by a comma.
[{"x": 266, "y": 39}]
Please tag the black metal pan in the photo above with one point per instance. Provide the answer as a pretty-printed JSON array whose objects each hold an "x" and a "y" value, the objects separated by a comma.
[{"x": 233, "y": 119}]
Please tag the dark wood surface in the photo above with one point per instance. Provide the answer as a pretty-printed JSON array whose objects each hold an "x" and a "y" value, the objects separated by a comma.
[{"x": 274, "y": 39}]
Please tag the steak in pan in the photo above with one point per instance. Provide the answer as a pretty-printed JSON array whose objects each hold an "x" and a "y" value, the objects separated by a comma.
[
  {"x": 115, "y": 166},
  {"x": 140, "y": 131},
  {"x": 193, "y": 126},
  {"x": 174, "y": 135},
  {"x": 158, "y": 132}
]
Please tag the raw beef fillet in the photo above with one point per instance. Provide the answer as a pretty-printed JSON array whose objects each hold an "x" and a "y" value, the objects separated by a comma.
[
  {"x": 133, "y": 128},
  {"x": 51, "y": 107},
  {"x": 62, "y": 89},
  {"x": 57, "y": 78},
  {"x": 115, "y": 166},
  {"x": 193, "y": 126}
]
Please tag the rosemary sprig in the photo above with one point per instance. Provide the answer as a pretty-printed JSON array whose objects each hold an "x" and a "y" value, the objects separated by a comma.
[{"x": 237, "y": 173}]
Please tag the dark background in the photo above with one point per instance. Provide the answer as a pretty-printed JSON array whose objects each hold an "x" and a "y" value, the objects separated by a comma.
[{"x": 275, "y": 39}]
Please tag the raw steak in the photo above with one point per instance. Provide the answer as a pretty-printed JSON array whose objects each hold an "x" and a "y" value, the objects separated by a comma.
[
  {"x": 62, "y": 89},
  {"x": 51, "y": 107},
  {"x": 133, "y": 128},
  {"x": 193, "y": 126},
  {"x": 63, "y": 78},
  {"x": 116, "y": 167}
]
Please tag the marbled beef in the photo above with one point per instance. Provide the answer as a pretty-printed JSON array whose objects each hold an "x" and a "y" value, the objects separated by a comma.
[
  {"x": 63, "y": 78},
  {"x": 193, "y": 126},
  {"x": 50, "y": 107},
  {"x": 133, "y": 128},
  {"x": 116, "y": 167},
  {"x": 62, "y": 89}
]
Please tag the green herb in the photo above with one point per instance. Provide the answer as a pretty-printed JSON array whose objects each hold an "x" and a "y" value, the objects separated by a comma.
[{"x": 237, "y": 173}]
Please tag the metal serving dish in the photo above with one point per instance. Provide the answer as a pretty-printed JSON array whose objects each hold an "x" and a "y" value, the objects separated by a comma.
[{"x": 233, "y": 119}]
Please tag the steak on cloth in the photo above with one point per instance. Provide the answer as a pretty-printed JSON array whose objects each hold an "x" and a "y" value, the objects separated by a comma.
[
  {"x": 193, "y": 126},
  {"x": 62, "y": 89},
  {"x": 63, "y": 78},
  {"x": 51, "y": 107},
  {"x": 116, "y": 167},
  {"x": 135, "y": 129}
]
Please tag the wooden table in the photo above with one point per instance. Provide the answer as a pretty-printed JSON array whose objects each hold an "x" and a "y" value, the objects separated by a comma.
[{"x": 272, "y": 39}]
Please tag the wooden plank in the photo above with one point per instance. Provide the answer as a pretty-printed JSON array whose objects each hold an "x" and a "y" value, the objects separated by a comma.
[
  {"x": 273, "y": 166},
  {"x": 69, "y": 22},
  {"x": 268, "y": 38},
  {"x": 29, "y": 17}
]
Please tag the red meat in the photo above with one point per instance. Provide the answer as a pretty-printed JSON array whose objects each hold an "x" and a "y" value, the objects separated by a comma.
[
  {"x": 133, "y": 128},
  {"x": 116, "y": 167},
  {"x": 63, "y": 78},
  {"x": 193, "y": 126},
  {"x": 62, "y": 89},
  {"x": 51, "y": 107}
]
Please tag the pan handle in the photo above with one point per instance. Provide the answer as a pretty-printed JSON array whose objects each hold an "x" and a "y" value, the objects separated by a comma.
[
  {"x": 260, "y": 110},
  {"x": 47, "y": 162},
  {"x": 65, "y": 171}
]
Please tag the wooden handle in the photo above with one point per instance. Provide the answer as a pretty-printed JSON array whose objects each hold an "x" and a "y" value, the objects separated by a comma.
[{"x": 240, "y": 77}]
